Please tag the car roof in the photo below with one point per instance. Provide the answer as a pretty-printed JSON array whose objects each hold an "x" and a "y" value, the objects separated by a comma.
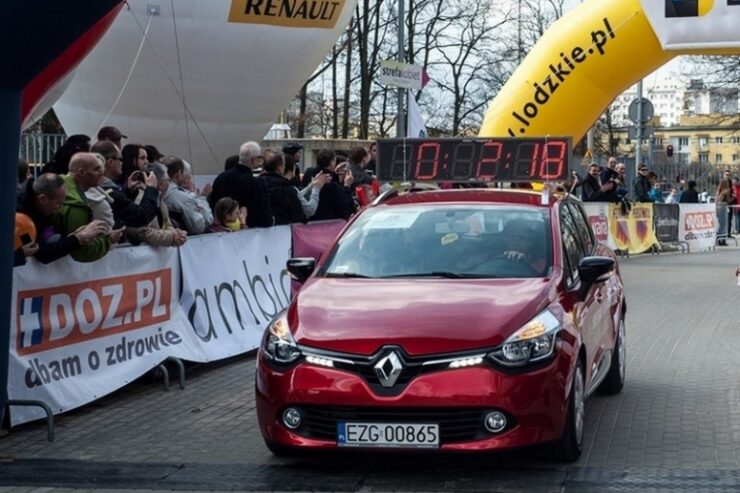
[{"x": 473, "y": 195}]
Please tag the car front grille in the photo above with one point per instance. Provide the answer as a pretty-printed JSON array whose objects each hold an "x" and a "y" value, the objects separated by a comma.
[
  {"x": 365, "y": 366},
  {"x": 455, "y": 425}
]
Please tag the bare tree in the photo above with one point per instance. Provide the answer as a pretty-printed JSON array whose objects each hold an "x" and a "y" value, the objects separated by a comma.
[
  {"x": 718, "y": 70},
  {"x": 465, "y": 48}
]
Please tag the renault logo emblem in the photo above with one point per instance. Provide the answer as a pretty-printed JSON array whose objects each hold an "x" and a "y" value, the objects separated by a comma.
[{"x": 388, "y": 369}]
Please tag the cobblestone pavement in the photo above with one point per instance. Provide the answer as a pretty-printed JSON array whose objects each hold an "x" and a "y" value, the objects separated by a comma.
[{"x": 675, "y": 427}]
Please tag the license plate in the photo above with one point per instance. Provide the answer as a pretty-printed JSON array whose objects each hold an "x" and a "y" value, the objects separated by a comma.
[{"x": 398, "y": 435}]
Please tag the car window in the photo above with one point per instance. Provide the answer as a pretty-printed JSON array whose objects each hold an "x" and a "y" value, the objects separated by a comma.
[
  {"x": 584, "y": 230},
  {"x": 572, "y": 251},
  {"x": 431, "y": 240}
]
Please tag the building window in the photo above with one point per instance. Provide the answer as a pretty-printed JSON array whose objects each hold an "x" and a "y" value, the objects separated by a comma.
[
  {"x": 683, "y": 142},
  {"x": 718, "y": 140},
  {"x": 683, "y": 158},
  {"x": 704, "y": 158},
  {"x": 703, "y": 141},
  {"x": 734, "y": 158},
  {"x": 736, "y": 140},
  {"x": 718, "y": 158},
  {"x": 657, "y": 142}
]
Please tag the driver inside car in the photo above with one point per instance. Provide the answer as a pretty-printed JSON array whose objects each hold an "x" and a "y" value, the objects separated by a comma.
[{"x": 520, "y": 245}]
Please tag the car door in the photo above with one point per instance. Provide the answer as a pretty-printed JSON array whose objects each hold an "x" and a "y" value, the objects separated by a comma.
[
  {"x": 590, "y": 313},
  {"x": 610, "y": 291}
]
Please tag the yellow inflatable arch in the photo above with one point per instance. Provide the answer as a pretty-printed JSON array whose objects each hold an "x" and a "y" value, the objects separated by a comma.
[{"x": 596, "y": 52}]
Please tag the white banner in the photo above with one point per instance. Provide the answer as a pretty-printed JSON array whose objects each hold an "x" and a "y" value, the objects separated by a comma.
[
  {"x": 399, "y": 74},
  {"x": 415, "y": 127},
  {"x": 82, "y": 330},
  {"x": 697, "y": 226},
  {"x": 598, "y": 218},
  {"x": 692, "y": 24},
  {"x": 232, "y": 288}
]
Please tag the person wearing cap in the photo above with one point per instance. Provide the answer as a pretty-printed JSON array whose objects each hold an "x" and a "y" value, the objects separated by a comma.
[
  {"x": 641, "y": 186},
  {"x": 111, "y": 134}
]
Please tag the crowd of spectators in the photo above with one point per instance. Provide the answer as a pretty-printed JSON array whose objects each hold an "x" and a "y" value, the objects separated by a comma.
[
  {"x": 609, "y": 185},
  {"x": 93, "y": 196}
]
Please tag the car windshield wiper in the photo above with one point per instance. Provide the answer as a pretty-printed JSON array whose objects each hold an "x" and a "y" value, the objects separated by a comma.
[
  {"x": 349, "y": 275},
  {"x": 440, "y": 273}
]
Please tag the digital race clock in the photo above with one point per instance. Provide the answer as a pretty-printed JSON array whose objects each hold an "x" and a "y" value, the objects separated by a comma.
[{"x": 476, "y": 159}]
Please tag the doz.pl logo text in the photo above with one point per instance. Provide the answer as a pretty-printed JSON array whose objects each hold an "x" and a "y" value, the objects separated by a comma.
[
  {"x": 63, "y": 315},
  {"x": 699, "y": 220}
]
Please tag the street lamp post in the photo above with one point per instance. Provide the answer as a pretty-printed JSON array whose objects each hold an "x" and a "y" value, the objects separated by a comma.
[{"x": 400, "y": 120}]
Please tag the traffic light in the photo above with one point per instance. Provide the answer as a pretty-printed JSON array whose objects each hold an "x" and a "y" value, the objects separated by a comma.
[{"x": 669, "y": 150}]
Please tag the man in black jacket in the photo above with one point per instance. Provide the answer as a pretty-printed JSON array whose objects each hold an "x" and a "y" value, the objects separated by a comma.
[
  {"x": 240, "y": 184},
  {"x": 641, "y": 187},
  {"x": 40, "y": 200},
  {"x": 286, "y": 207},
  {"x": 593, "y": 191},
  {"x": 690, "y": 196},
  {"x": 335, "y": 198}
]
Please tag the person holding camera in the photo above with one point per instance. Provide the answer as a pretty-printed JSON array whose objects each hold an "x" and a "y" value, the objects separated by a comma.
[
  {"x": 593, "y": 191},
  {"x": 126, "y": 211}
]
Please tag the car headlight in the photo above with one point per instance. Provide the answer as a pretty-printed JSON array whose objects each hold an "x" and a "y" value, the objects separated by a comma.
[
  {"x": 534, "y": 342},
  {"x": 278, "y": 344}
]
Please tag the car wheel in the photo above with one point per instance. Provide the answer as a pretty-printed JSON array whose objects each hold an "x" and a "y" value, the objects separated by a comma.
[
  {"x": 280, "y": 450},
  {"x": 570, "y": 445},
  {"x": 614, "y": 380}
]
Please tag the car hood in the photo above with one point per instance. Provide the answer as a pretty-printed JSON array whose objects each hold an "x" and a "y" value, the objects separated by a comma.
[{"x": 423, "y": 316}]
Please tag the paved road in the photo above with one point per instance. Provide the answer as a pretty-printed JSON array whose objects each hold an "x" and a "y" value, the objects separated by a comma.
[{"x": 675, "y": 427}]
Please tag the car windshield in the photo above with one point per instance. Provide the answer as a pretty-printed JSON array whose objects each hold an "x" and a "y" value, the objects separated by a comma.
[{"x": 446, "y": 241}]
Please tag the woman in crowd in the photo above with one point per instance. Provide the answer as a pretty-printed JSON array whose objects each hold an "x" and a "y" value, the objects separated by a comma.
[
  {"x": 134, "y": 159},
  {"x": 725, "y": 197}
]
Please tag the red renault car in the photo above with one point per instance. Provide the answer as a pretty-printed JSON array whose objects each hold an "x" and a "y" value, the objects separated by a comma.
[{"x": 455, "y": 320}]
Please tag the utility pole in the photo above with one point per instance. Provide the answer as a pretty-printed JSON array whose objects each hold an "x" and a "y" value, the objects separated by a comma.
[
  {"x": 400, "y": 118},
  {"x": 638, "y": 152}
]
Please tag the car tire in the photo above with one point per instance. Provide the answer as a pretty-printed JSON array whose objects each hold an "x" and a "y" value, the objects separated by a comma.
[
  {"x": 614, "y": 380},
  {"x": 570, "y": 445},
  {"x": 280, "y": 450}
]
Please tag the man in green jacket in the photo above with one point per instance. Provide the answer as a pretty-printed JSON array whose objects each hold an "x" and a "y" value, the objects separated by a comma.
[{"x": 85, "y": 172}]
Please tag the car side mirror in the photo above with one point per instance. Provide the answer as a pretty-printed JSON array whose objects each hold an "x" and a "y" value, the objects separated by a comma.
[
  {"x": 596, "y": 269},
  {"x": 300, "y": 268}
]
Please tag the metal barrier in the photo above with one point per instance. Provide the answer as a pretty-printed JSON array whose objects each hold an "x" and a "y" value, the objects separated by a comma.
[
  {"x": 42, "y": 405},
  {"x": 38, "y": 149},
  {"x": 735, "y": 229},
  {"x": 166, "y": 373}
]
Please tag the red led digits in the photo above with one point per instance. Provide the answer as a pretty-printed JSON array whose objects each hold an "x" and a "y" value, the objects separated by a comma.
[
  {"x": 525, "y": 167},
  {"x": 490, "y": 158},
  {"x": 425, "y": 161},
  {"x": 553, "y": 162}
]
